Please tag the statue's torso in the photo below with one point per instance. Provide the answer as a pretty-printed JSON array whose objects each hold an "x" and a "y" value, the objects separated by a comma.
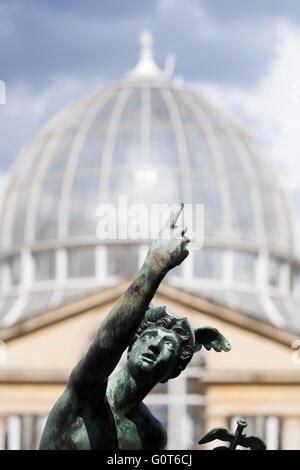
[
  {"x": 110, "y": 431},
  {"x": 104, "y": 429}
]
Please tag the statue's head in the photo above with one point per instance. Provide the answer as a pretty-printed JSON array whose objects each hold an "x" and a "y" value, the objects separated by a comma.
[
  {"x": 166, "y": 338},
  {"x": 167, "y": 343}
]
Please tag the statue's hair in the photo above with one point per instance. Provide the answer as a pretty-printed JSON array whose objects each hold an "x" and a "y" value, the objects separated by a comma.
[{"x": 184, "y": 335}]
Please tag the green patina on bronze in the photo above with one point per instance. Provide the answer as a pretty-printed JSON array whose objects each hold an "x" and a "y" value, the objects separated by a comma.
[{"x": 100, "y": 411}]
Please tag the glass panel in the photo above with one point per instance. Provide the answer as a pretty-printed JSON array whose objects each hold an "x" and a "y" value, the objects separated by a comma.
[
  {"x": 27, "y": 171},
  {"x": 132, "y": 109},
  {"x": 127, "y": 146},
  {"x": 208, "y": 263},
  {"x": 14, "y": 267},
  {"x": 159, "y": 110},
  {"x": 199, "y": 151},
  {"x": 207, "y": 192},
  {"x": 296, "y": 283},
  {"x": 61, "y": 153},
  {"x": 47, "y": 211},
  {"x": 83, "y": 207},
  {"x": 166, "y": 189},
  {"x": 272, "y": 222},
  {"x": 123, "y": 185},
  {"x": 244, "y": 266},
  {"x": 127, "y": 140},
  {"x": 22, "y": 182},
  {"x": 261, "y": 167},
  {"x": 44, "y": 265},
  {"x": 231, "y": 159},
  {"x": 230, "y": 156},
  {"x": 163, "y": 143},
  {"x": 286, "y": 230},
  {"x": 162, "y": 190},
  {"x": 91, "y": 152},
  {"x": 122, "y": 260},
  {"x": 105, "y": 112},
  {"x": 242, "y": 210},
  {"x": 6, "y": 307},
  {"x": 63, "y": 143},
  {"x": 81, "y": 262},
  {"x": 187, "y": 114},
  {"x": 163, "y": 148},
  {"x": 213, "y": 116},
  {"x": 18, "y": 225},
  {"x": 274, "y": 272}
]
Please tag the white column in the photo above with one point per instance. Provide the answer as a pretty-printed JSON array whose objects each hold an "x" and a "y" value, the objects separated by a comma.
[
  {"x": 14, "y": 432},
  {"x": 177, "y": 426},
  {"x": 26, "y": 269},
  {"x": 285, "y": 279},
  {"x": 262, "y": 267},
  {"x": 188, "y": 268},
  {"x": 61, "y": 264},
  {"x": 228, "y": 267},
  {"x": 2, "y": 433},
  {"x": 272, "y": 432},
  {"x": 101, "y": 263}
]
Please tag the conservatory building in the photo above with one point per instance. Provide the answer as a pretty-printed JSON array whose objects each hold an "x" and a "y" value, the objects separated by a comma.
[{"x": 152, "y": 140}]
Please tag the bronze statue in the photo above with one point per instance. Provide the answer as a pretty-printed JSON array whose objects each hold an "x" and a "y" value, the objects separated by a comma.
[{"x": 100, "y": 411}]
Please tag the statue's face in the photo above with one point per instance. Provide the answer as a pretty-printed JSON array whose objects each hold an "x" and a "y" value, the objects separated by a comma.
[{"x": 154, "y": 353}]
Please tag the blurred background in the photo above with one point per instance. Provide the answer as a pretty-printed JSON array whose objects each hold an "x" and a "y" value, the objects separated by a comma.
[{"x": 160, "y": 101}]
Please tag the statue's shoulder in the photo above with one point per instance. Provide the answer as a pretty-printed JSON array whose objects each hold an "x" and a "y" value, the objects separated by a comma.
[{"x": 154, "y": 433}]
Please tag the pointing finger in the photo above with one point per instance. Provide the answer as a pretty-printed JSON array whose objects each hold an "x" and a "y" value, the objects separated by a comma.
[
  {"x": 180, "y": 231},
  {"x": 174, "y": 215}
]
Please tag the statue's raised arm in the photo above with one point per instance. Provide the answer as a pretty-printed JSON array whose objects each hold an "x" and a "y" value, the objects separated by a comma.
[
  {"x": 101, "y": 410},
  {"x": 120, "y": 326}
]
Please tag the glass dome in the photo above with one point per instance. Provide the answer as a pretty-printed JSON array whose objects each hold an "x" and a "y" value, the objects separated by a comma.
[{"x": 154, "y": 141}]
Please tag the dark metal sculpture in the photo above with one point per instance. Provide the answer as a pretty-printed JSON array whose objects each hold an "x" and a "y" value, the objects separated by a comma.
[
  {"x": 236, "y": 439},
  {"x": 100, "y": 411}
]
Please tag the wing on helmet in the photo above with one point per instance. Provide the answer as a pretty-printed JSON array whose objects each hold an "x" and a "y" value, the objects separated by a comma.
[
  {"x": 217, "y": 433},
  {"x": 254, "y": 442},
  {"x": 210, "y": 337}
]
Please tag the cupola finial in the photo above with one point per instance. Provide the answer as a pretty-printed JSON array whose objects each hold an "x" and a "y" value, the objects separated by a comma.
[{"x": 146, "y": 66}]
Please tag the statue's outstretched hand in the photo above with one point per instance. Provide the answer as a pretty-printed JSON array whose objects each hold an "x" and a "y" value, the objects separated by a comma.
[{"x": 169, "y": 249}]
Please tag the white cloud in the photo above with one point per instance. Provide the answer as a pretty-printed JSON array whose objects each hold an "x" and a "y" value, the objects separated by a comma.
[{"x": 271, "y": 109}]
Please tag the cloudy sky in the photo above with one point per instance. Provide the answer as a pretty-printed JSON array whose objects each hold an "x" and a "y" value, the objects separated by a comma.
[{"x": 244, "y": 55}]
